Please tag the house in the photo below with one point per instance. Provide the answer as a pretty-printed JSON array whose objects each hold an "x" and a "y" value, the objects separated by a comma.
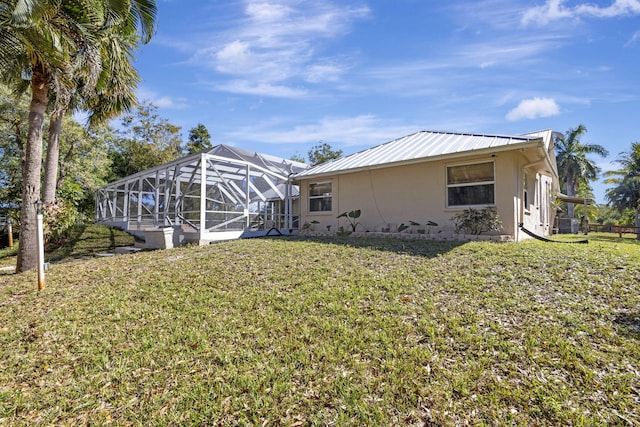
[
  {"x": 430, "y": 176},
  {"x": 227, "y": 193}
]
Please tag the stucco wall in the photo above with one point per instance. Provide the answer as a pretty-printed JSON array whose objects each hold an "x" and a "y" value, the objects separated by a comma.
[{"x": 390, "y": 196}]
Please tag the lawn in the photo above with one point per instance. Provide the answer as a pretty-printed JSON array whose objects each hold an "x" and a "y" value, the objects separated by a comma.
[
  {"x": 324, "y": 331},
  {"x": 84, "y": 240}
]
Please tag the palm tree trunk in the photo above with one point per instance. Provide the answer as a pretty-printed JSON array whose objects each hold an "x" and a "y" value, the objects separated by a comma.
[
  {"x": 51, "y": 163},
  {"x": 27, "y": 249}
]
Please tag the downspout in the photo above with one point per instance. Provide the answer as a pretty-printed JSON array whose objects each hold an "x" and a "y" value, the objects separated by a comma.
[{"x": 519, "y": 214}]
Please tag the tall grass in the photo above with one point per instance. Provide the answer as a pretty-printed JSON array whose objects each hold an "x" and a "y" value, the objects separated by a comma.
[{"x": 293, "y": 331}]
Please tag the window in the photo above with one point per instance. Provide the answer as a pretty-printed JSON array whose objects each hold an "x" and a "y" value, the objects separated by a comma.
[
  {"x": 469, "y": 185},
  {"x": 320, "y": 197}
]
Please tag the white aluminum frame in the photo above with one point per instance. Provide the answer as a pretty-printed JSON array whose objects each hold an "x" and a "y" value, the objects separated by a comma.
[{"x": 224, "y": 189}]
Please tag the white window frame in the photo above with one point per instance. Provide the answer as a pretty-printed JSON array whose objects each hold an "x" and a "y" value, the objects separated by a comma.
[
  {"x": 470, "y": 184},
  {"x": 325, "y": 196}
]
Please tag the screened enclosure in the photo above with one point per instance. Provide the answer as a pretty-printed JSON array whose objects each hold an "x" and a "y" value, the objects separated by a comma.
[{"x": 222, "y": 193}]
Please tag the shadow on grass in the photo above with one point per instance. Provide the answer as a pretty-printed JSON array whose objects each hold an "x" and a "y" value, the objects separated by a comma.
[
  {"x": 613, "y": 238},
  {"x": 112, "y": 239},
  {"x": 86, "y": 240},
  {"x": 629, "y": 324},
  {"x": 66, "y": 248},
  {"x": 417, "y": 247}
]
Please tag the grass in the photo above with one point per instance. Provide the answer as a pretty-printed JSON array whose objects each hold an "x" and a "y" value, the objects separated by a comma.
[
  {"x": 85, "y": 240},
  {"x": 294, "y": 331},
  {"x": 8, "y": 256}
]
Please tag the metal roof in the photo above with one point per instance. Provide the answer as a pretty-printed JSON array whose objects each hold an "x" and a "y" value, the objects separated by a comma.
[{"x": 425, "y": 145}]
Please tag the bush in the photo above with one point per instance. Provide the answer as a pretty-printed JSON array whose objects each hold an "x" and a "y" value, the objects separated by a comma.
[
  {"x": 477, "y": 221},
  {"x": 58, "y": 219}
]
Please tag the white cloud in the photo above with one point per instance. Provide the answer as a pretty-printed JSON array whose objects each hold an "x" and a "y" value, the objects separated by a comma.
[
  {"x": 236, "y": 51},
  {"x": 465, "y": 70},
  {"x": 169, "y": 102},
  {"x": 281, "y": 40},
  {"x": 554, "y": 10},
  {"x": 618, "y": 8},
  {"x": 634, "y": 39},
  {"x": 363, "y": 130},
  {"x": 163, "y": 101},
  {"x": 324, "y": 73},
  {"x": 267, "y": 12},
  {"x": 510, "y": 51},
  {"x": 534, "y": 108},
  {"x": 261, "y": 89}
]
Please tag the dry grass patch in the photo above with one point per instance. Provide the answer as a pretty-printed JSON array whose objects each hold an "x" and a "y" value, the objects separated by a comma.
[{"x": 287, "y": 331}]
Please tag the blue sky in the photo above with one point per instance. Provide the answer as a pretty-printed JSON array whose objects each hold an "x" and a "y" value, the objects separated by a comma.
[{"x": 279, "y": 76}]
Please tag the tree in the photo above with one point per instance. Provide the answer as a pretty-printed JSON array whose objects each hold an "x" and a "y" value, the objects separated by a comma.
[
  {"x": 148, "y": 140},
  {"x": 590, "y": 210},
  {"x": 323, "y": 153},
  {"x": 39, "y": 42},
  {"x": 573, "y": 165},
  {"x": 49, "y": 183},
  {"x": 103, "y": 80},
  {"x": 298, "y": 158},
  {"x": 36, "y": 38},
  {"x": 626, "y": 193},
  {"x": 607, "y": 215},
  {"x": 199, "y": 139},
  {"x": 13, "y": 131},
  {"x": 84, "y": 164}
]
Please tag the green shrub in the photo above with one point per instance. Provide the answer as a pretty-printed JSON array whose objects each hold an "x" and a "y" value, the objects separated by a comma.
[
  {"x": 477, "y": 221},
  {"x": 58, "y": 219}
]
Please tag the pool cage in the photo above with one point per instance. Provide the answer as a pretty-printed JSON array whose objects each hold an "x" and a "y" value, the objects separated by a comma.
[{"x": 219, "y": 194}]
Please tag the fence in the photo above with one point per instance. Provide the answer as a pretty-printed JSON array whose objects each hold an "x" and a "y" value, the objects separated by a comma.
[{"x": 609, "y": 228}]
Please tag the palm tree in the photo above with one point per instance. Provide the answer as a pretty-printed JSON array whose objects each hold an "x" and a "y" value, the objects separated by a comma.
[
  {"x": 626, "y": 193},
  {"x": 33, "y": 34},
  {"x": 573, "y": 165},
  {"x": 105, "y": 91},
  {"x": 39, "y": 41}
]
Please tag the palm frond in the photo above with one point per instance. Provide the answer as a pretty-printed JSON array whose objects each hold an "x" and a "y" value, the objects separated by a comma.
[{"x": 27, "y": 12}]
